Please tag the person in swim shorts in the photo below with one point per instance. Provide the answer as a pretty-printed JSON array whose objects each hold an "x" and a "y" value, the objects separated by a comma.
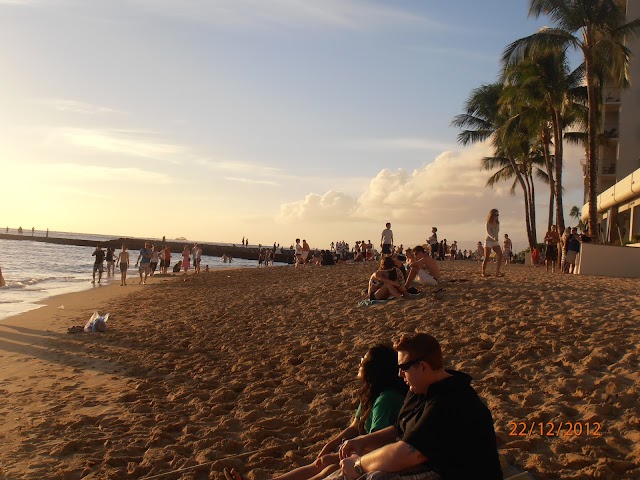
[
  {"x": 423, "y": 269},
  {"x": 123, "y": 261}
]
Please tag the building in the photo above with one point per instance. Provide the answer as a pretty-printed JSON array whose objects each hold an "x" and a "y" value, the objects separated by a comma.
[{"x": 619, "y": 156}]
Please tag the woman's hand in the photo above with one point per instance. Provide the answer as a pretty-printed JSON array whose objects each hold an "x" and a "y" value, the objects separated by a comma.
[
  {"x": 327, "y": 449},
  {"x": 326, "y": 460},
  {"x": 350, "y": 447}
]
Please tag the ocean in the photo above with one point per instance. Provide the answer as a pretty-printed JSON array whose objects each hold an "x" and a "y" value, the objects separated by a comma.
[{"x": 35, "y": 271}]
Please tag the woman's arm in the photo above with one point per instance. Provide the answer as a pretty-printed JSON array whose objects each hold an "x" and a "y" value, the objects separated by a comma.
[{"x": 346, "y": 434}]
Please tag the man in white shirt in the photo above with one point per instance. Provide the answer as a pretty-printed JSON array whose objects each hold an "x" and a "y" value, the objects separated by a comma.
[{"x": 386, "y": 241}]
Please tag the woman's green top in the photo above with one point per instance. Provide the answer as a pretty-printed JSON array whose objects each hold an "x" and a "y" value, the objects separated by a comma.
[{"x": 384, "y": 411}]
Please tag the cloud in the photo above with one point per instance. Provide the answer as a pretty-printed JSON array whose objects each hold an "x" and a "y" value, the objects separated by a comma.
[
  {"x": 76, "y": 173},
  {"x": 123, "y": 142},
  {"x": 344, "y": 14},
  {"x": 450, "y": 52},
  {"x": 252, "y": 181},
  {"x": 75, "y": 106},
  {"x": 450, "y": 192},
  {"x": 400, "y": 144},
  {"x": 330, "y": 207},
  {"x": 223, "y": 165},
  {"x": 450, "y": 189}
]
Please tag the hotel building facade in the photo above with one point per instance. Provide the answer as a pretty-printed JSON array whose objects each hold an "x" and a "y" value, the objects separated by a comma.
[{"x": 619, "y": 154}]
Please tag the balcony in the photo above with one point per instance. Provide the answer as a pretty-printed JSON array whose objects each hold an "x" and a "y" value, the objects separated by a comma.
[
  {"x": 612, "y": 95},
  {"x": 611, "y": 131},
  {"x": 608, "y": 169}
]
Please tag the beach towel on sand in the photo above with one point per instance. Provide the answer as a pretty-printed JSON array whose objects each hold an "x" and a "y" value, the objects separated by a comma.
[{"x": 367, "y": 302}]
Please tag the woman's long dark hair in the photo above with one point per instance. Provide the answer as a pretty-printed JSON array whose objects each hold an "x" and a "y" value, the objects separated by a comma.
[{"x": 380, "y": 374}]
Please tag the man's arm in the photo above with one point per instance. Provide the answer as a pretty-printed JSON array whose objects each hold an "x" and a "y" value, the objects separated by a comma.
[
  {"x": 413, "y": 272},
  {"x": 371, "y": 441},
  {"x": 395, "y": 457}
]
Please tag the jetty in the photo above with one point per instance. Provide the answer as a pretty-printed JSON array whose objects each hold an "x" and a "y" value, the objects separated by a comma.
[{"x": 284, "y": 255}]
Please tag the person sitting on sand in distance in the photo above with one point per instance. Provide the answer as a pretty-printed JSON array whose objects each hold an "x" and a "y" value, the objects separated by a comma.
[
  {"x": 381, "y": 396},
  {"x": 423, "y": 269},
  {"x": 387, "y": 282},
  {"x": 492, "y": 242}
]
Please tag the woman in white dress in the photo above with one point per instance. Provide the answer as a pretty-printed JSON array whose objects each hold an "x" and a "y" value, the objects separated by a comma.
[{"x": 492, "y": 242}]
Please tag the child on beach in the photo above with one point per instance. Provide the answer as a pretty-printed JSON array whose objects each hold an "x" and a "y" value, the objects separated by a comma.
[{"x": 381, "y": 396}]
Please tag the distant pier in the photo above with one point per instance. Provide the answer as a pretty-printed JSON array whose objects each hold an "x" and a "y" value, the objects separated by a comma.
[{"x": 247, "y": 253}]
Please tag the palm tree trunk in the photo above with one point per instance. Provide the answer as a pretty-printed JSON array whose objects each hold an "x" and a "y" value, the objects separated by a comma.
[
  {"x": 552, "y": 185},
  {"x": 525, "y": 192},
  {"x": 528, "y": 207},
  {"x": 592, "y": 161},
  {"x": 532, "y": 208},
  {"x": 558, "y": 160}
]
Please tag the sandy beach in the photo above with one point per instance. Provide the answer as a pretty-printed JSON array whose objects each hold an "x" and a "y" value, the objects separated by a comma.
[{"x": 229, "y": 362}]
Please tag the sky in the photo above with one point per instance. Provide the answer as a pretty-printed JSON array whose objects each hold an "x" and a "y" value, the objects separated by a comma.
[{"x": 271, "y": 120}]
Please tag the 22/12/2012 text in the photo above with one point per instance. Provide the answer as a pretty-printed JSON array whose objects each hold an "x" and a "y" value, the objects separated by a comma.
[{"x": 554, "y": 429}]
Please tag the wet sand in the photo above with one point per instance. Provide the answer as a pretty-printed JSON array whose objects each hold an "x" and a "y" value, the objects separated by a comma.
[{"x": 229, "y": 362}]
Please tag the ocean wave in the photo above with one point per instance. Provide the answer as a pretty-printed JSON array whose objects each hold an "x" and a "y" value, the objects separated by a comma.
[{"x": 31, "y": 282}]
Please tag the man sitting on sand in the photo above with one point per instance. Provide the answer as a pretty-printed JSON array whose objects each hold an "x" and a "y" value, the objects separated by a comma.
[
  {"x": 423, "y": 269},
  {"x": 443, "y": 429}
]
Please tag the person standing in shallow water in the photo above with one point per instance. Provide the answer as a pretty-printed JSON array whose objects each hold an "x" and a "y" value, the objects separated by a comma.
[
  {"x": 492, "y": 242},
  {"x": 98, "y": 264}
]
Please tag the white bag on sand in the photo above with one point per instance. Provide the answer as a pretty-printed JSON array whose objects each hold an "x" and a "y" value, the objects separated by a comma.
[{"x": 97, "y": 323}]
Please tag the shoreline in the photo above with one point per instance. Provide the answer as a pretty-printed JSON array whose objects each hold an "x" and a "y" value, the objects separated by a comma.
[{"x": 191, "y": 372}]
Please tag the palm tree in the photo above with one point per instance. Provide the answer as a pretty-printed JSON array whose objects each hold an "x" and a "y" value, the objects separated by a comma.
[
  {"x": 527, "y": 165},
  {"x": 577, "y": 213},
  {"x": 483, "y": 120},
  {"x": 543, "y": 83},
  {"x": 597, "y": 29}
]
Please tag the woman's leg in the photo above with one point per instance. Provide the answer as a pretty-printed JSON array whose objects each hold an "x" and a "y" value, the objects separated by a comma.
[
  {"x": 382, "y": 293},
  {"x": 498, "y": 251},
  {"x": 487, "y": 254},
  {"x": 300, "y": 473}
]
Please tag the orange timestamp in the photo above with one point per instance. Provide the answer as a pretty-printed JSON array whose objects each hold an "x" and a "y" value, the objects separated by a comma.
[{"x": 554, "y": 429}]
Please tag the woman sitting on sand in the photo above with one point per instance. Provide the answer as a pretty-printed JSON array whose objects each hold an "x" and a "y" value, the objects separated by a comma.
[
  {"x": 387, "y": 282},
  {"x": 381, "y": 397}
]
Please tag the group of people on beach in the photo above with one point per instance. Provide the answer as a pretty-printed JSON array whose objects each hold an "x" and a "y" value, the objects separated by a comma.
[
  {"x": 149, "y": 259},
  {"x": 560, "y": 251},
  {"x": 415, "y": 420}
]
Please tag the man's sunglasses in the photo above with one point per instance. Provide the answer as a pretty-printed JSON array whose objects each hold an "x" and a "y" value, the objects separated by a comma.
[{"x": 407, "y": 365}]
